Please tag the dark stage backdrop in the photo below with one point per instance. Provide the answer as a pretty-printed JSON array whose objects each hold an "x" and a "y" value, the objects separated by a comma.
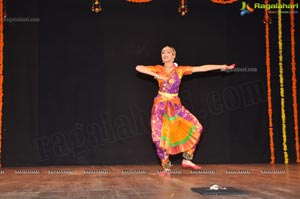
[{"x": 72, "y": 95}]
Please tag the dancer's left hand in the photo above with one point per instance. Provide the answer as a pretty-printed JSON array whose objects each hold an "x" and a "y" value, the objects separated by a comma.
[{"x": 226, "y": 67}]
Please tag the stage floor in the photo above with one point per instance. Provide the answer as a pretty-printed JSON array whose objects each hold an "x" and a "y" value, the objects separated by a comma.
[{"x": 260, "y": 181}]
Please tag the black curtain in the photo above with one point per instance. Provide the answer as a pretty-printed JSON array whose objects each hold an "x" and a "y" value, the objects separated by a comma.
[{"x": 72, "y": 95}]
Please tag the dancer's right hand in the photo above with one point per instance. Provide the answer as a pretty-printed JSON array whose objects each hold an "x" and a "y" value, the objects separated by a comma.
[{"x": 162, "y": 77}]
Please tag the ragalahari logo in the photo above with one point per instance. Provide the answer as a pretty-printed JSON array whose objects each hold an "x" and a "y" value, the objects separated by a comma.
[
  {"x": 270, "y": 8},
  {"x": 246, "y": 9}
]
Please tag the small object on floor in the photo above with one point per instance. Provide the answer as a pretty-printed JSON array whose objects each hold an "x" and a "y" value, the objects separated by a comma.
[
  {"x": 218, "y": 190},
  {"x": 216, "y": 187}
]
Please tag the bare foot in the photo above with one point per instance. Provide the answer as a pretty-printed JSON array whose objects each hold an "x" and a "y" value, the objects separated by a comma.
[
  {"x": 187, "y": 164},
  {"x": 165, "y": 172}
]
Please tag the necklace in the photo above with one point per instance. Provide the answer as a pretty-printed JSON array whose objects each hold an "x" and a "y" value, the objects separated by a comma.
[{"x": 169, "y": 69}]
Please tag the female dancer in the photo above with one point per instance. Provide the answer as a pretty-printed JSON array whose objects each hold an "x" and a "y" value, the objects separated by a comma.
[{"x": 174, "y": 129}]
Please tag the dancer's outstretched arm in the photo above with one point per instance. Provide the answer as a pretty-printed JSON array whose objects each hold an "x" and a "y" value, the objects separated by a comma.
[
  {"x": 143, "y": 69},
  {"x": 209, "y": 67}
]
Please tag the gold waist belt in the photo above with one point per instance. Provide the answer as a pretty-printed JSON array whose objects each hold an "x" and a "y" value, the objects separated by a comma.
[{"x": 168, "y": 95}]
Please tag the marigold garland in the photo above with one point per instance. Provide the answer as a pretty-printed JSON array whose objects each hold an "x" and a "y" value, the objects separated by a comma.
[
  {"x": 1, "y": 76},
  {"x": 139, "y": 1},
  {"x": 294, "y": 82},
  {"x": 281, "y": 82},
  {"x": 269, "y": 89},
  {"x": 223, "y": 1}
]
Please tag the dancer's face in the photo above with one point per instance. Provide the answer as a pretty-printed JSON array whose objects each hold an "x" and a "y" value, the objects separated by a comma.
[{"x": 167, "y": 54}]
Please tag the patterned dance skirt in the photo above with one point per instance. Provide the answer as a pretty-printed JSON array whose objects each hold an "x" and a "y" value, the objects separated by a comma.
[{"x": 176, "y": 129}]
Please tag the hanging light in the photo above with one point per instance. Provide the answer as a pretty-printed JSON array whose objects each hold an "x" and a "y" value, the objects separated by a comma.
[
  {"x": 182, "y": 7},
  {"x": 96, "y": 6}
]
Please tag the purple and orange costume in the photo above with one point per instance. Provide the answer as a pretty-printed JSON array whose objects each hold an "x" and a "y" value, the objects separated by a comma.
[{"x": 174, "y": 129}]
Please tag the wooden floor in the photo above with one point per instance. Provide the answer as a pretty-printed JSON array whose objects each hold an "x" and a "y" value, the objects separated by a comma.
[{"x": 260, "y": 181}]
